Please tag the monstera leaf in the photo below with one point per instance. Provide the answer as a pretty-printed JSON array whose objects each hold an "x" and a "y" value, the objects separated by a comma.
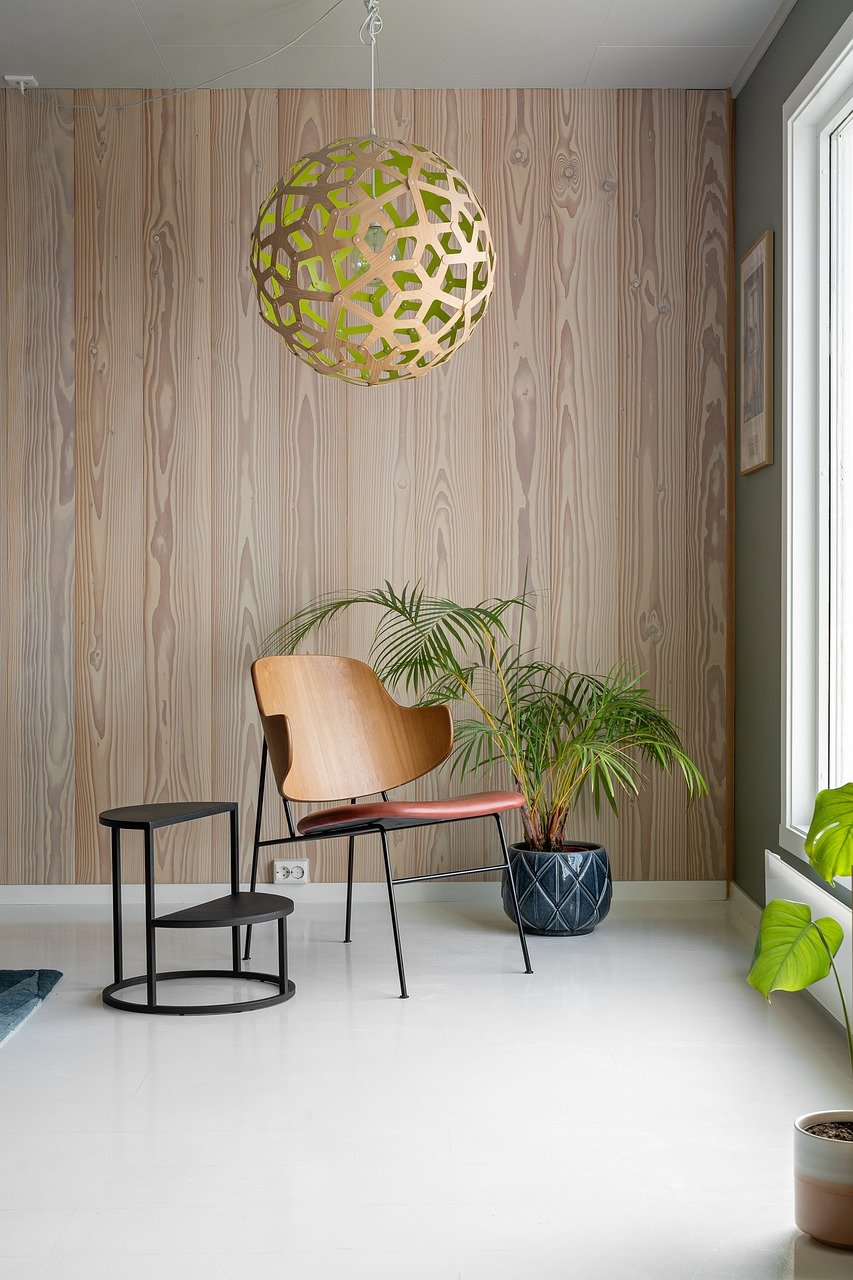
[
  {"x": 790, "y": 953},
  {"x": 829, "y": 842}
]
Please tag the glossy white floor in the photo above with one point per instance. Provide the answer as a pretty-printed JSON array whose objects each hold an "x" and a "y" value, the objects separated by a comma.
[{"x": 624, "y": 1112}]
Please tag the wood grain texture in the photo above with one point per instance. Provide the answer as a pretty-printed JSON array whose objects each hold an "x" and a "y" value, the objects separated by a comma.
[
  {"x": 585, "y": 363},
  {"x": 518, "y": 445},
  {"x": 314, "y": 548},
  {"x": 447, "y": 471},
  {"x": 110, "y": 547},
  {"x": 584, "y": 430},
  {"x": 245, "y": 425},
  {"x": 415, "y": 496},
  {"x": 586, "y": 528},
  {"x": 176, "y": 406},
  {"x": 652, "y": 502},
  {"x": 334, "y": 731},
  {"x": 380, "y": 480},
  {"x": 445, "y": 546},
  {"x": 39, "y": 729},
  {"x": 708, "y": 216}
]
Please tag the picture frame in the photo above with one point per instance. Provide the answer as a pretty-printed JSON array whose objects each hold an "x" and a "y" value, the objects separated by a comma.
[{"x": 756, "y": 355}]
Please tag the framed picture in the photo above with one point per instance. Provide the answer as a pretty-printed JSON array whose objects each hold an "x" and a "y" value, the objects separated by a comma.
[{"x": 756, "y": 355}]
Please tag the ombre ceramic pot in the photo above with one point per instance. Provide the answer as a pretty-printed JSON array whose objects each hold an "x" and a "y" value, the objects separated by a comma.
[
  {"x": 559, "y": 894},
  {"x": 823, "y": 1181}
]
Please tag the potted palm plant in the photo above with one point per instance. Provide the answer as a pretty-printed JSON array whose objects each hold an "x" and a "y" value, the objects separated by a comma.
[
  {"x": 793, "y": 951},
  {"x": 559, "y": 733}
]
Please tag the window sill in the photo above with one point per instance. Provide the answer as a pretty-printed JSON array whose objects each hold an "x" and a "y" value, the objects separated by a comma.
[{"x": 793, "y": 840}]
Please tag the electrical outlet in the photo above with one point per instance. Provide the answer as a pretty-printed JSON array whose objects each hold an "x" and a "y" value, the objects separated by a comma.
[{"x": 290, "y": 871}]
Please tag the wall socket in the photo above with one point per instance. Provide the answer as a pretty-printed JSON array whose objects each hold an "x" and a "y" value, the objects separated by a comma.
[{"x": 290, "y": 871}]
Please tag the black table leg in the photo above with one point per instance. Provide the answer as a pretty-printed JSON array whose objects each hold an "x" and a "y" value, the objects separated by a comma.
[
  {"x": 235, "y": 884},
  {"x": 150, "y": 932},
  {"x": 256, "y": 848},
  {"x": 282, "y": 954},
  {"x": 117, "y": 939}
]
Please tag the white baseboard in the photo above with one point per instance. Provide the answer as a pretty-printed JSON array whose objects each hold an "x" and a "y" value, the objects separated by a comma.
[
  {"x": 748, "y": 911},
  {"x": 16, "y": 895}
]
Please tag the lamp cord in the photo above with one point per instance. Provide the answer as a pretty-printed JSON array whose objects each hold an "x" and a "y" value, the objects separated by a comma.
[
  {"x": 370, "y": 29},
  {"x": 41, "y": 94}
]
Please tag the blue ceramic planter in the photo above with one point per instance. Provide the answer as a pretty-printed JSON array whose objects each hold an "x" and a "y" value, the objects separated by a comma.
[{"x": 560, "y": 894}]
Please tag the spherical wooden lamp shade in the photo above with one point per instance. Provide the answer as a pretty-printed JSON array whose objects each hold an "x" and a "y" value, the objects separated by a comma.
[{"x": 373, "y": 260}]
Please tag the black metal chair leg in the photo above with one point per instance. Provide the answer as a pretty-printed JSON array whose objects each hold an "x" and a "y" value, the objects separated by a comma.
[
  {"x": 511, "y": 878},
  {"x": 404, "y": 995},
  {"x": 350, "y": 862},
  {"x": 256, "y": 848}
]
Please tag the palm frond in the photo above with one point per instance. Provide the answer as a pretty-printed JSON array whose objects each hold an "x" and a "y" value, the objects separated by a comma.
[{"x": 561, "y": 733}]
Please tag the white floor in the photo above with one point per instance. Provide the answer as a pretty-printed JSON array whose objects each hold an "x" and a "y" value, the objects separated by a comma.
[{"x": 624, "y": 1112}]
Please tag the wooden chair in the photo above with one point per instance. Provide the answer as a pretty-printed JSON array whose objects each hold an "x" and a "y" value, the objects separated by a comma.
[{"x": 332, "y": 730}]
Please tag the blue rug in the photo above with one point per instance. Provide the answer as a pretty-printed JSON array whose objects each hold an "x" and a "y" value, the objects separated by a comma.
[{"x": 21, "y": 993}]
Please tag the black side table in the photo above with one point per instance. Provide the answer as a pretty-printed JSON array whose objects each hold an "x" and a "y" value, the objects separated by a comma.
[{"x": 233, "y": 911}]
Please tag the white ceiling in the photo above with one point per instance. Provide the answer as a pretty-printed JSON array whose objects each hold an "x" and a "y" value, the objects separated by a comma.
[{"x": 445, "y": 43}]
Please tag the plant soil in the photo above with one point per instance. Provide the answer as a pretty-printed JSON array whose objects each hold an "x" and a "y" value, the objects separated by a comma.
[
  {"x": 557, "y": 848},
  {"x": 840, "y": 1130}
]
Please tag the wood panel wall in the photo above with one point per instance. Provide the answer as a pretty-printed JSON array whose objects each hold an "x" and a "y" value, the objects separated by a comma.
[{"x": 174, "y": 481}]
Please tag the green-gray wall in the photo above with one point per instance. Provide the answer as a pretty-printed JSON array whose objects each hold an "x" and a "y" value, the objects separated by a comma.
[{"x": 758, "y": 503}]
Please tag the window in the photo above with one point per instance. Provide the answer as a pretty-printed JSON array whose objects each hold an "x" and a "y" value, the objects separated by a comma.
[
  {"x": 818, "y": 436},
  {"x": 841, "y": 453}
]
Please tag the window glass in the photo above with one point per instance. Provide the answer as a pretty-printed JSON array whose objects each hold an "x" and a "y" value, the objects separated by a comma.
[{"x": 840, "y": 512}]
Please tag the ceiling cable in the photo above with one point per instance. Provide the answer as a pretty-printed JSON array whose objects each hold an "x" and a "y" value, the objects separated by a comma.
[
  {"x": 205, "y": 84},
  {"x": 154, "y": 43},
  {"x": 370, "y": 29}
]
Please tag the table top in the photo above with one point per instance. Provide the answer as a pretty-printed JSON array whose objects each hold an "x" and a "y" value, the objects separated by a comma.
[{"x": 164, "y": 815}]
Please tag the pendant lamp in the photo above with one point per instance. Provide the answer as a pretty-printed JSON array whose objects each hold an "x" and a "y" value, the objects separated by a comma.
[{"x": 372, "y": 257}]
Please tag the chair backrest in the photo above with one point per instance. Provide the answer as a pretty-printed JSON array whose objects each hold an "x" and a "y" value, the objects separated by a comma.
[{"x": 334, "y": 732}]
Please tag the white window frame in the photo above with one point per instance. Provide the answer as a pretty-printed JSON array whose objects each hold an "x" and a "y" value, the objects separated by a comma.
[{"x": 818, "y": 104}]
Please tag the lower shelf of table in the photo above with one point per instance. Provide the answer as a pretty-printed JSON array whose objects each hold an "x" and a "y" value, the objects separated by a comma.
[
  {"x": 228, "y": 912},
  {"x": 240, "y": 1006}
]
